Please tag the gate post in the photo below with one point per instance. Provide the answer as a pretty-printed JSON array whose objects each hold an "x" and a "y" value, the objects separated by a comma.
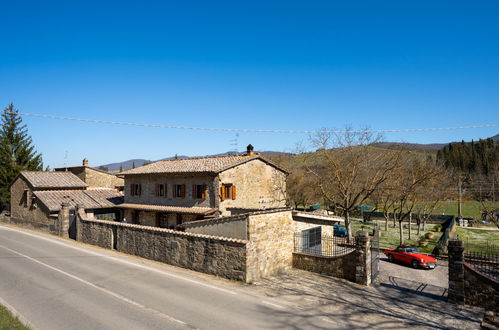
[
  {"x": 79, "y": 209},
  {"x": 63, "y": 219},
  {"x": 455, "y": 249},
  {"x": 363, "y": 258}
]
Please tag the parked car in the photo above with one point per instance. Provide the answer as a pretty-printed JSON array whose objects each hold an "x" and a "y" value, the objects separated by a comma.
[
  {"x": 411, "y": 255},
  {"x": 339, "y": 230}
]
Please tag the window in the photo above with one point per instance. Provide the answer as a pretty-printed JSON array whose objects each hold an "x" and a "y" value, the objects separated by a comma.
[
  {"x": 179, "y": 190},
  {"x": 228, "y": 191},
  {"x": 312, "y": 237},
  {"x": 135, "y": 189},
  {"x": 199, "y": 191},
  {"x": 160, "y": 190}
]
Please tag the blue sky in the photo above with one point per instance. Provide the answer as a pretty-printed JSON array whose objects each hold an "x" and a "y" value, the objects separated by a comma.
[{"x": 299, "y": 65}]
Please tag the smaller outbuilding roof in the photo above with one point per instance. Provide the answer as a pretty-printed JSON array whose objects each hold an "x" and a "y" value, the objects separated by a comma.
[
  {"x": 100, "y": 198},
  {"x": 169, "y": 209},
  {"x": 54, "y": 180}
]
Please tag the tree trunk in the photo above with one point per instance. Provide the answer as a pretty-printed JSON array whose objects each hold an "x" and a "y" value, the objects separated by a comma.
[
  {"x": 410, "y": 224},
  {"x": 401, "y": 233},
  {"x": 386, "y": 221},
  {"x": 394, "y": 220},
  {"x": 347, "y": 225},
  {"x": 424, "y": 224},
  {"x": 419, "y": 225}
]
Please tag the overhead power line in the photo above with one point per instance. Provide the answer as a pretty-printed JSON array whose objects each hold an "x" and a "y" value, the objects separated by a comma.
[{"x": 250, "y": 130}]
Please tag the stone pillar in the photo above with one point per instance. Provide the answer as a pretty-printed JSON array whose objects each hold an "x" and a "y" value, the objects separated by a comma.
[
  {"x": 63, "y": 220},
  {"x": 456, "y": 271},
  {"x": 363, "y": 258},
  {"x": 79, "y": 208}
]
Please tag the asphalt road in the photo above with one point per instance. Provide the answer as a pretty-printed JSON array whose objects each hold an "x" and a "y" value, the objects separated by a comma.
[{"x": 59, "y": 284}]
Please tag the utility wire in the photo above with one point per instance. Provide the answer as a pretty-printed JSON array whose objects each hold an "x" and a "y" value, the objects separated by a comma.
[{"x": 255, "y": 130}]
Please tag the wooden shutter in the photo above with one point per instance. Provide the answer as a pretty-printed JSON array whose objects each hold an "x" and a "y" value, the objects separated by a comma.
[
  {"x": 156, "y": 189},
  {"x": 174, "y": 190},
  {"x": 233, "y": 192},
  {"x": 166, "y": 190},
  {"x": 222, "y": 192},
  {"x": 193, "y": 191},
  {"x": 139, "y": 189},
  {"x": 182, "y": 190},
  {"x": 203, "y": 194},
  {"x": 131, "y": 190}
]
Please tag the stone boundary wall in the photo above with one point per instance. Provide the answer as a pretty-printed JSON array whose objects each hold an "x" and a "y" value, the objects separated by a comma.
[
  {"x": 468, "y": 286},
  {"x": 51, "y": 228},
  {"x": 219, "y": 256},
  {"x": 339, "y": 266}
]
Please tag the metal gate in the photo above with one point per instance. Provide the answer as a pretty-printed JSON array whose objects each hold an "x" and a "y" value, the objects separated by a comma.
[{"x": 375, "y": 254}]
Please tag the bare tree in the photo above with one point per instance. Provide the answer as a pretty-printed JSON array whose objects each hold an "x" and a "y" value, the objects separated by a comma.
[{"x": 349, "y": 169}]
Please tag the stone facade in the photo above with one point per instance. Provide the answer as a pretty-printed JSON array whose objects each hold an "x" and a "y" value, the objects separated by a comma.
[
  {"x": 25, "y": 212},
  {"x": 259, "y": 186},
  {"x": 270, "y": 247},
  {"x": 95, "y": 178},
  {"x": 148, "y": 190}
]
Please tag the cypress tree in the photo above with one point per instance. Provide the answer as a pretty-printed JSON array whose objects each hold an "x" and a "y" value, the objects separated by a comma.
[{"x": 17, "y": 152}]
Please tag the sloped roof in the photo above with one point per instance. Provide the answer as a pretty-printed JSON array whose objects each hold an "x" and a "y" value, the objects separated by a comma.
[
  {"x": 169, "y": 209},
  {"x": 90, "y": 199},
  {"x": 212, "y": 165},
  {"x": 43, "y": 179}
]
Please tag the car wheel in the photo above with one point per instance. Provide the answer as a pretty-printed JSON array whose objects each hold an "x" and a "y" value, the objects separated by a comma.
[
  {"x": 415, "y": 264},
  {"x": 390, "y": 258}
]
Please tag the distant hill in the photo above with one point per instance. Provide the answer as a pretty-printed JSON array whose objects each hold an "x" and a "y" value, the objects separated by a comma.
[
  {"x": 427, "y": 147},
  {"x": 128, "y": 164}
]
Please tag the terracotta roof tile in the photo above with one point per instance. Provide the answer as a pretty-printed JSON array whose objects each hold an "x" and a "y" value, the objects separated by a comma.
[
  {"x": 42, "y": 179},
  {"x": 196, "y": 165},
  {"x": 90, "y": 199},
  {"x": 170, "y": 209}
]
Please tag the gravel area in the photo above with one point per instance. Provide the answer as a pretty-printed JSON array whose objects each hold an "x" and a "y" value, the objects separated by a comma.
[
  {"x": 390, "y": 272},
  {"x": 346, "y": 305}
]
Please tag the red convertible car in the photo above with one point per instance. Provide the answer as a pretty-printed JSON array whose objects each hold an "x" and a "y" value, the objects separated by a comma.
[{"x": 411, "y": 255}]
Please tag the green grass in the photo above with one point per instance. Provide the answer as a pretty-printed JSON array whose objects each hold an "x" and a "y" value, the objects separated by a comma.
[
  {"x": 479, "y": 240},
  {"x": 469, "y": 209},
  {"x": 390, "y": 238},
  {"x": 9, "y": 322}
]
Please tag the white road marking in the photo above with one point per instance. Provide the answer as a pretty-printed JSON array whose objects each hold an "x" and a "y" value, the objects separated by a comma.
[
  {"x": 272, "y": 304},
  {"x": 109, "y": 292},
  {"x": 56, "y": 241}
]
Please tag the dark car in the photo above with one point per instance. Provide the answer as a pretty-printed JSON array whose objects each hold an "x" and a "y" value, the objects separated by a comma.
[{"x": 411, "y": 255}]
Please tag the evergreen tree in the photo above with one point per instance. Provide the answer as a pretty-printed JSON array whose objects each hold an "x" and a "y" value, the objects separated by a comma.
[{"x": 17, "y": 152}]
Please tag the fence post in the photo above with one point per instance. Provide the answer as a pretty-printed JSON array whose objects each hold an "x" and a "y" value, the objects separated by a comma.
[
  {"x": 63, "y": 220},
  {"x": 363, "y": 258},
  {"x": 456, "y": 271}
]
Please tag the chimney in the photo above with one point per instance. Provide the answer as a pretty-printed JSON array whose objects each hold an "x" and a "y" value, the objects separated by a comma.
[
  {"x": 85, "y": 162},
  {"x": 249, "y": 150}
]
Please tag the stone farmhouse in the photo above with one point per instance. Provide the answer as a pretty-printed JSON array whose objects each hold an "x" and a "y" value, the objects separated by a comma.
[
  {"x": 169, "y": 193},
  {"x": 95, "y": 177},
  {"x": 37, "y": 196}
]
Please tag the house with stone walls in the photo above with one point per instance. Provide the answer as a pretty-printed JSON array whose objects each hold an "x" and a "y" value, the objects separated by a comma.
[
  {"x": 95, "y": 177},
  {"x": 169, "y": 193},
  {"x": 37, "y": 196}
]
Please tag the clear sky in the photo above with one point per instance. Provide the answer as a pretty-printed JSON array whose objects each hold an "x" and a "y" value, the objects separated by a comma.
[{"x": 298, "y": 65}]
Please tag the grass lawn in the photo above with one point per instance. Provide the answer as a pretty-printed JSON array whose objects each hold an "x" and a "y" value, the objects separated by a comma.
[
  {"x": 479, "y": 240},
  {"x": 9, "y": 322},
  {"x": 390, "y": 238},
  {"x": 469, "y": 209}
]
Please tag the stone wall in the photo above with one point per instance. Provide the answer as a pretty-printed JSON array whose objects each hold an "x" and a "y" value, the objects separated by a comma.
[
  {"x": 468, "y": 286},
  {"x": 219, "y": 256},
  {"x": 233, "y": 227},
  {"x": 339, "y": 266},
  {"x": 148, "y": 187},
  {"x": 94, "y": 177},
  {"x": 270, "y": 247},
  {"x": 258, "y": 186}
]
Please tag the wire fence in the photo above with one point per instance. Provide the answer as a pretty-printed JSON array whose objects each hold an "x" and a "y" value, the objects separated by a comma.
[
  {"x": 322, "y": 245},
  {"x": 484, "y": 258}
]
